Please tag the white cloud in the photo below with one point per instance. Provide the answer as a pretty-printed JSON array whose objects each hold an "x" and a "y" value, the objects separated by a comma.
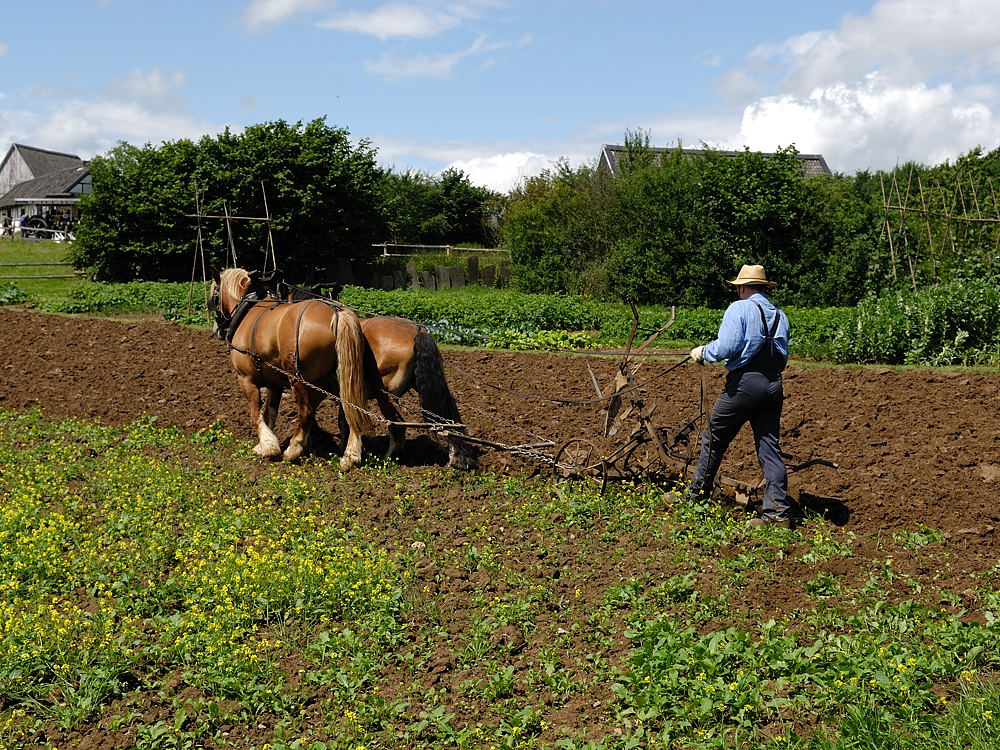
[
  {"x": 501, "y": 172},
  {"x": 904, "y": 40},
  {"x": 261, "y": 14},
  {"x": 408, "y": 19},
  {"x": 88, "y": 128},
  {"x": 912, "y": 80},
  {"x": 150, "y": 86},
  {"x": 436, "y": 66},
  {"x": 873, "y": 124},
  {"x": 394, "y": 20},
  {"x": 498, "y": 166},
  {"x": 4, "y": 48}
]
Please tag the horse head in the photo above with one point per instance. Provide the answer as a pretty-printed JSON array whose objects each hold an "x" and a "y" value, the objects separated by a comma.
[{"x": 228, "y": 288}]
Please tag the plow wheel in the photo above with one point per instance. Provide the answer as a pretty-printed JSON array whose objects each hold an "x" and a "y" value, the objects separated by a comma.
[{"x": 577, "y": 457}]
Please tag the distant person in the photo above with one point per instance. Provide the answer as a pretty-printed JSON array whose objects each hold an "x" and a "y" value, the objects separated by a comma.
[
  {"x": 17, "y": 227},
  {"x": 753, "y": 339},
  {"x": 5, "y": 228}
]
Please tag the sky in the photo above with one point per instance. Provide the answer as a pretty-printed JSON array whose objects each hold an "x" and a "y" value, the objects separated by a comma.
[{"x": 504, "y": 89}]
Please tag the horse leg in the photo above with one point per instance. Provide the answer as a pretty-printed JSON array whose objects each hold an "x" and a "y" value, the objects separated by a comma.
[
  {"x": 460, "y": 456},
  {"x": 436, "y": 400},
  {"x": 353, "y": 447},
  {"x": 307, "y": 400},
  {"x": 267, "y": 442},
  {"x": 397, "y": 434},
  {"x": 271, "y": 400}
]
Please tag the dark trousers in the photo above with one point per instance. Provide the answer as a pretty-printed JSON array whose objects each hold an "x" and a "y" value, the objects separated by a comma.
[{"x": 755, "y": 398}]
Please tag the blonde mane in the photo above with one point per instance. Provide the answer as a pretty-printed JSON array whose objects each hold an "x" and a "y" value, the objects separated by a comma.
[{"x": 231, "y": 283}]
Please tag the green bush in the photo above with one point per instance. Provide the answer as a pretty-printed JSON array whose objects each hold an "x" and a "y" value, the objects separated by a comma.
[
  {"x": 490, "y": 317},
  {"x": 479, "y": 307},
  {"x": 139, "y": 296},
  {"x": 957, "y": 323},
  {"x": 12, "y": 294}
]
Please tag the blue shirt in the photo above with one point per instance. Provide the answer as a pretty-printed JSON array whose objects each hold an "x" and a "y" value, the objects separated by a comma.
[{"x": 741, "y": 334}]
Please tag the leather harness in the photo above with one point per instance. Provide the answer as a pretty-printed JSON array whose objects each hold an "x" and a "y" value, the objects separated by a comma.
[{"x": 250, "y": 300}]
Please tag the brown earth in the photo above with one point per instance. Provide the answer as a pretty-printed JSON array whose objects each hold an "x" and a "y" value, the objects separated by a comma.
[{"x": 912, "y": 446}]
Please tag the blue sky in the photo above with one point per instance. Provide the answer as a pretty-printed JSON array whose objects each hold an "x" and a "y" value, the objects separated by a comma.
[{"x": 502, "y": 88}]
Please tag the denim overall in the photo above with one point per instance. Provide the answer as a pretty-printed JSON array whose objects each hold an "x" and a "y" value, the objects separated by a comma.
[{"x": 753, "y": 394}]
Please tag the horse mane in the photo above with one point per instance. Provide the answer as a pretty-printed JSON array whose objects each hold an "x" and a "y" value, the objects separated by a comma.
[{"x": 230, "y": 282}]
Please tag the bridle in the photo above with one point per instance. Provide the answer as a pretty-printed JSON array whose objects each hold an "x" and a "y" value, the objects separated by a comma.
[{"x": 258, "y": 287}]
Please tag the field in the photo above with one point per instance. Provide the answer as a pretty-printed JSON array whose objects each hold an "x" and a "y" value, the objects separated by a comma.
[{"x": 498, "y": 608}]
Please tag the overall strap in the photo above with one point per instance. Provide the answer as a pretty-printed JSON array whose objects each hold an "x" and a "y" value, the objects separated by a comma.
[
  {"x": 769, "y": 335},
  {"x": 767, "y": 358}
]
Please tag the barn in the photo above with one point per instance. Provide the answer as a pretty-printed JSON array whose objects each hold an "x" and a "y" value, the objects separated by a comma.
[{"x": 40, "y": 189}]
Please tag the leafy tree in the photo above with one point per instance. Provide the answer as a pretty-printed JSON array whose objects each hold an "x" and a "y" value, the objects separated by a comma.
[
  {"x": 320, "y": 192},
  {"x": 667, "y": 249},
  {"x": 688, "y": 221},
  {"x": 837, "y": 232},
  {"x": 407, "y": 199},
  {"x": 445, "y": 210},
  {"x": 558, "y": 228}
]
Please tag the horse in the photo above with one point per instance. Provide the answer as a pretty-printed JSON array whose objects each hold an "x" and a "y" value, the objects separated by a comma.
[
  {"x": 402, "y": 355},
  {"x": 405, "y": 356},
  {"x": 314, "y": 348}
]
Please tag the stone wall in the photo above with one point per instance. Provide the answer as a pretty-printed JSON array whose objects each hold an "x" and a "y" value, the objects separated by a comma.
[{"x": 442, "y": 277}]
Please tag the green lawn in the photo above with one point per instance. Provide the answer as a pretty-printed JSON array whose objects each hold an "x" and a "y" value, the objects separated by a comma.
[{"x": 30, "y": 278}]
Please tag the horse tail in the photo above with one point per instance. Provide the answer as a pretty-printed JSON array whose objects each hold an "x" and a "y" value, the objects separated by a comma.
[
  {"x": 351, "y": 369},
  {"x": 429, "y": 381},
  {"x": 436, "y": 400}
]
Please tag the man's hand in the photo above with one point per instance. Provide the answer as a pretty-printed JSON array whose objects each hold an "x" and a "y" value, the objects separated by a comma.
[{"x": 698, "y": 354}]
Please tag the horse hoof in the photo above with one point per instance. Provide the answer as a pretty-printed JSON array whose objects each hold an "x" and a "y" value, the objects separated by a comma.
[
  {"x": 266, "y": 452},
  {"x": 349, "y": 462},
  {"x": 461, "y": 461},
  {"x": 292, "y": 454}
]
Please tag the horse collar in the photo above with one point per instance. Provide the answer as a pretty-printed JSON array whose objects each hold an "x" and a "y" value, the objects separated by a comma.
[{"x": 242, "y": 308}]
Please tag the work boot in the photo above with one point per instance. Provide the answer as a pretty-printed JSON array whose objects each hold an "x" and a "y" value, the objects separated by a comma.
[{"x": 781, "y": 523}]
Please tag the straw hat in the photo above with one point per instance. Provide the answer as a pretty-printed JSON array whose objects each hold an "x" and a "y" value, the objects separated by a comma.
[{"x": 753, "y": 276}]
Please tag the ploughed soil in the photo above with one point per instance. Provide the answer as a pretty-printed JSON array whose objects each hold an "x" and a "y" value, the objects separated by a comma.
[
  {"x": 876, "y": 450},
  {"x": 910, "y": 446}
]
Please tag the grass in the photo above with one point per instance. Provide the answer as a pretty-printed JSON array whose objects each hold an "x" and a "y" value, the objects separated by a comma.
[
  {"x": 38, "y": 251},
  {"x": 167, "y": 590}
]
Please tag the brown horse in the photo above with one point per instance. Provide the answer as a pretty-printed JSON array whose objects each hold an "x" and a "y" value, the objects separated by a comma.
[
  {"x": 314, "y": 348},
  {"x": 405, "y": 356}
]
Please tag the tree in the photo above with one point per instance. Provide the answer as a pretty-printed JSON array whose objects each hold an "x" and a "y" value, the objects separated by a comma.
[
  {"x": 558, "y": 229},
  {"x": 445, "y": 210},
  {"x": 320, "y": 192}
]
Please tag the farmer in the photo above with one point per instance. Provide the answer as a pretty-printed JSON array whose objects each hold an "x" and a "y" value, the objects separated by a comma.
[{"x": 753, "y": 339}]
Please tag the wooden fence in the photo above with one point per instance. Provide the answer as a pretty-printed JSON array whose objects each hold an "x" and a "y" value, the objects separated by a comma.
[
  {"x": 415, "y": 249},
  {"x": 4, "y": 274}
]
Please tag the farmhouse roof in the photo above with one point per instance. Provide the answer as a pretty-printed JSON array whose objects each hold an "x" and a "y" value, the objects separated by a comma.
[
  {"x": 41, "y": 161},
  {"x": 38, "y": 175},
  {"x": 813, "y": 165},
  {"x": 55, "y": 185}
]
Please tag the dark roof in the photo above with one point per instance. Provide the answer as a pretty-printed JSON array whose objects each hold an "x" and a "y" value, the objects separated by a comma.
[
  {"x": 813, "y": 165},
  {"x": 42, "y": 162},
  {"x": 54, "y": 185}
]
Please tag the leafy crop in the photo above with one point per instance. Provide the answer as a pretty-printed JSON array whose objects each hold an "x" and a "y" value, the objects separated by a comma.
[{"x": 166, "y": 589}]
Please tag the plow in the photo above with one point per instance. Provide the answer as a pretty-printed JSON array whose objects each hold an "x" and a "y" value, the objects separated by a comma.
[{"x": 645, "y": 449}]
